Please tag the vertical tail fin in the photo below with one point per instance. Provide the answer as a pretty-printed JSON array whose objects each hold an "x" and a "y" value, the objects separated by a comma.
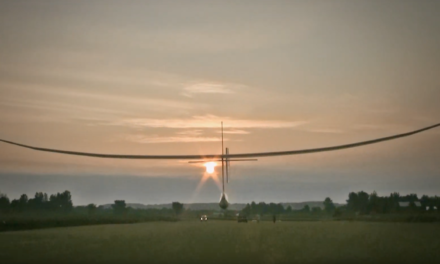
[
  {"x": 223, "y": 165},
  {"x": 228, "y": 165}
]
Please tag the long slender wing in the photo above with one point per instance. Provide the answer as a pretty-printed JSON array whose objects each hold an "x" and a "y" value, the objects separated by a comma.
[
  {"x": 217, "y": 156},
  {"x": 346, "y": 146}
]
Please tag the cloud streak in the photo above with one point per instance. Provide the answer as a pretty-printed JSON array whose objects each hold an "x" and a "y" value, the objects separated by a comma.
[
  {"x": 210, "y": 88},
  {"x": 206, "y": 121},
  {"x": 326, "y": 130},
  {"x": 171, "y": 139},
  {"x": 196, "y": 132},
  {"x": 236, "y": 132}
]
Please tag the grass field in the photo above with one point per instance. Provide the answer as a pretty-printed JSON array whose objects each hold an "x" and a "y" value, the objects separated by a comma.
[{"x": 227, "y": 242}]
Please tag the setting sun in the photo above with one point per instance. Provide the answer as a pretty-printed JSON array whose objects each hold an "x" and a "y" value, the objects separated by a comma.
[{"x": 210, "y": 167}]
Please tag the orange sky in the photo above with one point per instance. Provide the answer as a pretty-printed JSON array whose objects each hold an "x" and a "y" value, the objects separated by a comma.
[{"x": 157, "y": 78}]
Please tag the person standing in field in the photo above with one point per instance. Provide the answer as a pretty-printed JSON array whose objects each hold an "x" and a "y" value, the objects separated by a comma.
[{"x": 274, "y": 218}]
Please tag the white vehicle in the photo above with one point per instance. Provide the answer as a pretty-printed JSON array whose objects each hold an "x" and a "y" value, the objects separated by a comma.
[{"x": 203, "y": 218}]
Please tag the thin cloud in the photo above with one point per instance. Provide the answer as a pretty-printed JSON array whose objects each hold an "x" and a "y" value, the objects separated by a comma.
[
  {"x": 38, "y": 95},
  {"x": 207, "y": 88},
  {"x": 210, "y": 88},
  {"x": 207, "y": 121},
  {"x": 196, "y": 132},
  {"x": 388, "y": 126},
  {"x": 236, "y": 131},
  {"x": 326, "y": 130},
  {"x": 171, "y": 139},
  {"x": 367, "y": 127}
]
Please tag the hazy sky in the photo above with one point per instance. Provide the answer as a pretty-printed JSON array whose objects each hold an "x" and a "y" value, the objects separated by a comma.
[{"x": 157, "y": 77}]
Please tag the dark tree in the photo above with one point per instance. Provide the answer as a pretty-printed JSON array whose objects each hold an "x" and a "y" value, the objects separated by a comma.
[
  {"x": 254, "y": 208},
  {"x": 358, "y": 202},
  {"x": 426, "y": 203},
  {"x": 246, "y": 210},
  {"x": 23, "y": 199},
  {"x": 374, "y": 203},
  {"x": 306, "y": 208},
  {"x": 262, "y": 208},
  {"x": 393, "y": 202},
  {"x": 409, "y": 198},
  {"x": 119, "y": 207},
  {"x": 352, "y": 201},
  {"x": 39, "y": 202},
  {"x": 329, "y": 207},
  {"x": 61, "y": 201},
  {"x": 280, "y": 209},
  {"x": 22, "y": 202},
  {"x": 4, "y": 203},
  {"x": 273, "y": 209},
  {"x": 177, "y": 207},
  {"x": 91, "y": 209},
  {"x": 15, "y": 205}
]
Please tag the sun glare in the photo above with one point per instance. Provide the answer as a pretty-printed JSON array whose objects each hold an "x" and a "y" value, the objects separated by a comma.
[{"x": 210, "y": 167}]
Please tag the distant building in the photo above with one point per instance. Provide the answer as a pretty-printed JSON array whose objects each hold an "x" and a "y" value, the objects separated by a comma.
[{"x": 407, "y": 204}]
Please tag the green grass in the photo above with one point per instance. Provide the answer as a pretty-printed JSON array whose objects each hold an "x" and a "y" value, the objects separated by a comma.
[
  {"x": 37, "y": 221},
  {"x": 227, "y": 242}
]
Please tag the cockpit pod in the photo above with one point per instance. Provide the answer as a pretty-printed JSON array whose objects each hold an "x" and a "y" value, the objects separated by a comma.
[{"x": 223, "y": 202}]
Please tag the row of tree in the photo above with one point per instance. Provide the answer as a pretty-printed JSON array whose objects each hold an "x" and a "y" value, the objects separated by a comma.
[
  {"x": 263, "y": 208},
  {"x": 360, "y": 202},
  {"x": 277, "y": 209},
  {"x": 57, "y": 210},
  {"x": 60, "y": 202},
  {"x": 365, "y": 203},
  {"x": 120, "y": 207}
]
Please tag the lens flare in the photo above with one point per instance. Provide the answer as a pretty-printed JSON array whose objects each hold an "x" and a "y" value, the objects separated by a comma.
[{"x": 210, "y": 167}]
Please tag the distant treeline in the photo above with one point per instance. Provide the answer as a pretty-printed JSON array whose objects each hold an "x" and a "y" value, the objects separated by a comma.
[
  {"x": 60, "y": 202},
  {"x": 57, "y": 210},
  {"x": 360, "y": 206},
  {"x": 395, "y": 208},
  {"x": 263, "y": 208},
  {"x": 364, "y": 203}
]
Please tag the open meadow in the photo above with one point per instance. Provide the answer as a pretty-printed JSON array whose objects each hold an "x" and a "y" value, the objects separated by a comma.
[{"x": 227, "y": 242}]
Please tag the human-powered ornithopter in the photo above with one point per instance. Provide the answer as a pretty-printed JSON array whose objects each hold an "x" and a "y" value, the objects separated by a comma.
[{"x": 225, "y": 157}]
